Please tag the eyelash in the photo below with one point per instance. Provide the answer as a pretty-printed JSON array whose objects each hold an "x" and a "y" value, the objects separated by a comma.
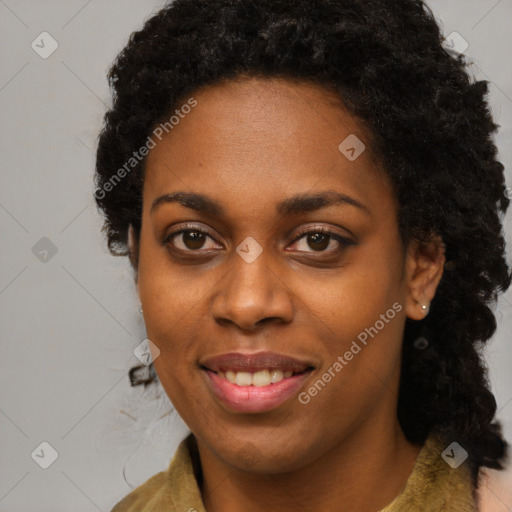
[{"x": 343, "y": 242}]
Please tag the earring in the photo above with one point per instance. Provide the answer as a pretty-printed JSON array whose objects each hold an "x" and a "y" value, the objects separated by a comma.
[
  {"x": 421, "y": 343},
  {"x": 425, "y": 308},
  {"x": 140, "y": 308}
]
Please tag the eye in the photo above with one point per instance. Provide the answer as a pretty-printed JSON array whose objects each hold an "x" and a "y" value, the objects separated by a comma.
[
  {"x": 193, "y": 239},
  {"x": 320, "y": 238},
  {"x": 190, "y": 240}
]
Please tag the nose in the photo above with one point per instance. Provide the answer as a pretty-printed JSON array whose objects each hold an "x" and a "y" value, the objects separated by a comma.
[{"x": 251, "y": 294}]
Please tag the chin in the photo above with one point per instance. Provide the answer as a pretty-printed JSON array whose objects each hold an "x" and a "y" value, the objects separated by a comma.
[{"x": 264, "y": 457}]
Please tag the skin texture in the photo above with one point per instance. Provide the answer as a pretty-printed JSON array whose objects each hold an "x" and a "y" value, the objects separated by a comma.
[{"x": 250, "y": 144}]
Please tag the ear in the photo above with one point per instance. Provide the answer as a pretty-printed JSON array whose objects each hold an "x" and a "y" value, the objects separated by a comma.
[
  {"x": 133, "y": 253},
  {"x": 424, "y": 268}
]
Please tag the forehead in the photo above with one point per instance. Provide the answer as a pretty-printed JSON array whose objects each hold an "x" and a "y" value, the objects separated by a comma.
[{"x": 260, "y": 139}]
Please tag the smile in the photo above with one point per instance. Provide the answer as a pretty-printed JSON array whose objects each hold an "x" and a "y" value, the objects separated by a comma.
[
  {"x": 260, "y": 378},
  {"x": 254, "y": 383}
]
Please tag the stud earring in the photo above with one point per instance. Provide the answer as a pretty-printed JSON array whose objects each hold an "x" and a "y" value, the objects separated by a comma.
[
  {"x": 140, "y": 308},
  {"x": 425, "y": 308}
]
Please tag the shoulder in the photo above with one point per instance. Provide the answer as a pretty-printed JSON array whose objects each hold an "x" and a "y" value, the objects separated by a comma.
[
  {"x": 174, "y": 489},
  {"x": 141, "y": 497},
  {"x": 435, "y": 485}
]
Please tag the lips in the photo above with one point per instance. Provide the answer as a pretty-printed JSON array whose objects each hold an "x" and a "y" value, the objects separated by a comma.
[
  {"x": 256, "y": 382},
  {"x": 239, "y": 362}
]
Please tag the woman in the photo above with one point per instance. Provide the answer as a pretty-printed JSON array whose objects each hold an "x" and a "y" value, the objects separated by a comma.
[{"x": 310, "y": 198}]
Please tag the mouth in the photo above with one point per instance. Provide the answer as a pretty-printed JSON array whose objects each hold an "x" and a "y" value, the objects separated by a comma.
[
  {"x": 260, "y": 378},
  {"x": 256, "y": 382}
]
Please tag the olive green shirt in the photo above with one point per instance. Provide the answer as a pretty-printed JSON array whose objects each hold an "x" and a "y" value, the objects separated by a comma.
[{"x": 433, "y": 485}]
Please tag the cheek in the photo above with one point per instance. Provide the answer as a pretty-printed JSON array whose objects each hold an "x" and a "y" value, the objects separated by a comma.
[
  {"x": 172, "y": 314},
  {"x": 364, "y": 292},
  {"x": 171, "y": 303},
  {"x": 365, "y": 314}
]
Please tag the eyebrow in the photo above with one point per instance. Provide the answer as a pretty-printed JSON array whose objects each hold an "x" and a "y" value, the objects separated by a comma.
[{"x": 300, "y": 203}]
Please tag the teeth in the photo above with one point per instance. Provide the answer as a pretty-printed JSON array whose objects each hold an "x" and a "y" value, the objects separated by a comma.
[
  {"x": 276, "y": 376},
  {"x": 243, "y": 379},
  {"x": 260, "y": 378}
]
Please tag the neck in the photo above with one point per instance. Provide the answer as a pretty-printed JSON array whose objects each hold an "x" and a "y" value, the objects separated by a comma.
[{"x": 362, "y": 473}]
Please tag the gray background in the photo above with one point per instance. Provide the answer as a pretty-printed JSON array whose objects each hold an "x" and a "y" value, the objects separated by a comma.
[{"x": 70, "y": 323}]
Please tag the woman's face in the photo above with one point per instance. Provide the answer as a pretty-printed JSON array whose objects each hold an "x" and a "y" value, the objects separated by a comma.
[{"x": 253, "y": 274}]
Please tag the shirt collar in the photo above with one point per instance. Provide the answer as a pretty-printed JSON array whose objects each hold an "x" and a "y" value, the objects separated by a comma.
[{"x": 433, "y": 485}]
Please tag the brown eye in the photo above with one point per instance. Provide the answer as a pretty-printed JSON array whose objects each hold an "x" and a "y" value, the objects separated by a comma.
[
  {"x": 193, "y": 239},
  {"x": 189, "y": 240},
  {"x": 319, "y": 239}
]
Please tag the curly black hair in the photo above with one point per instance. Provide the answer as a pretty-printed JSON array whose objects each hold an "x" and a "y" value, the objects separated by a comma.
[{"x": 430, "y": 125}]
